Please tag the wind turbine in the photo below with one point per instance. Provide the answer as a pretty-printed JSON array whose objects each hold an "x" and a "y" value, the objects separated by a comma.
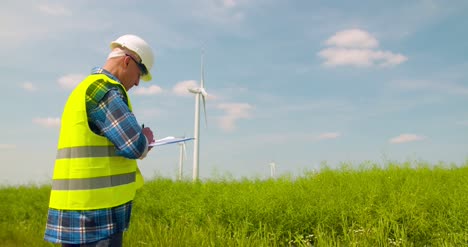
[
  {"x": 182, "y": 157},
  {"x": 272, "y": 169},
  {"x": 199, "y": 92}
]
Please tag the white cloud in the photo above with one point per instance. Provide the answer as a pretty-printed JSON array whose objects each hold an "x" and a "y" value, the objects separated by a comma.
[
  {"x": 233, "y": 112},
  {"x": 70, "y": 81},
  {"x": 48, "y": 122},
  {"x": 355, "y": 47},
  {"x": 360, "y": 57},
  {"x": 151, "y": 90},
  {"x": 28, "y": 86},
  {"x": 7, "y": 146},
  {"x": 181, "y": 88},
  {"x": 328, "y": 136},
  {"x": 403, "y": 138},
  {"x": 54, "y": 10},
  {"x": 355, "y": 38}
]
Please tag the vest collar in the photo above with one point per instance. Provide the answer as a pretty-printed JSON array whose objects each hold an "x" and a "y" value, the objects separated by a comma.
[{"x": 99, "y": 70}]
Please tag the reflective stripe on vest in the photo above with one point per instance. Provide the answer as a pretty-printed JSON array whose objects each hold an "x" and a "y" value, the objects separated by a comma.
[
  {"x": 93, "y": 183},
  {"x": 86, "y": 152}
]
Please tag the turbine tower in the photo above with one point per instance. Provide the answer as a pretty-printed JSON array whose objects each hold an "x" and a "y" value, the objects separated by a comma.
[
  {"x": 182, "y": 157},
  {"x": 199, "y": 92}
]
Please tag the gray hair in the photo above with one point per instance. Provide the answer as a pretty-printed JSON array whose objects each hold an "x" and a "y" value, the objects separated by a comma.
[{"x": 120, "y": 52}]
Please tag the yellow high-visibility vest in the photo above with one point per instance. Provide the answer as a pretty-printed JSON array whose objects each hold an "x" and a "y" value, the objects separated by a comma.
[{"x": 88, "y": 174}]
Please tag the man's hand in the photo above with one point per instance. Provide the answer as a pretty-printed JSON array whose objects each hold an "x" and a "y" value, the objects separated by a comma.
[{"x": 149, "y": 135}]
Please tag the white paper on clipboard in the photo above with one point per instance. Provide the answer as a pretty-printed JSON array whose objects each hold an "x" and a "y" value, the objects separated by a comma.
[{"x": 169, "y": 140}]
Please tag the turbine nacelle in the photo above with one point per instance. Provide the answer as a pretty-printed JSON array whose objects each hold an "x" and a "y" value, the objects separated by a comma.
[
  {"x": 194, "y": 90},
  {"x": 199, "y": 90},
  {"x": 204, "y": 94}
]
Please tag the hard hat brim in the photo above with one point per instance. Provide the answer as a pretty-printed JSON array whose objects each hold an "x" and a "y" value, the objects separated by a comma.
[{"x": 146, "y": 77}]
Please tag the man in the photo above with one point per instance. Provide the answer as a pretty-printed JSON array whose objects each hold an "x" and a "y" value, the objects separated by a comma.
[{"x": 96, "y": 174}]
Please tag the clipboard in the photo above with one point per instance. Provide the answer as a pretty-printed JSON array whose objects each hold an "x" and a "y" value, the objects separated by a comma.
[{"x": 169, "y": 140}]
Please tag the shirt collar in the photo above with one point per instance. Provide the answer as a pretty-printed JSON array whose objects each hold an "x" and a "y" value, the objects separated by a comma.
[{"x": 100, "y": 70}]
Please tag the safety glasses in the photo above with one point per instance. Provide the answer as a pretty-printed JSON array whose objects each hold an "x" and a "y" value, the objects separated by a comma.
[{"x": 142, "y": 67}]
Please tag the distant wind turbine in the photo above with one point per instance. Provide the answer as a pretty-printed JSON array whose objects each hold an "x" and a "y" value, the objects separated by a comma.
[
  {"x": 272, "y": 169},
  {"x": 199, "y": 92}
]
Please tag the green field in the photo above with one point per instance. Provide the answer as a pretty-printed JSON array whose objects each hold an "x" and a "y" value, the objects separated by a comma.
[{"x": 409, "y": 204}]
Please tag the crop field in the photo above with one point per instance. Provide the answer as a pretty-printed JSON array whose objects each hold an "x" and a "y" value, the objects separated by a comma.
[{"x": 406, "y": 204}]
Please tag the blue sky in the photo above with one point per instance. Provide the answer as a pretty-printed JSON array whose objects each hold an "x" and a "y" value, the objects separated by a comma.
[{"x": 291, "y": 82}]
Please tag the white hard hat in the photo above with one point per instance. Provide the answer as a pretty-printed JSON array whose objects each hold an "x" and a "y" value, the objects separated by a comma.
[{"x": 141, "y": 48}]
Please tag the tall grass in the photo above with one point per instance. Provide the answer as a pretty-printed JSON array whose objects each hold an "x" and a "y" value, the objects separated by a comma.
[
  {"x": 23, "y": 212},
  {"x": 398, "y": 205}
]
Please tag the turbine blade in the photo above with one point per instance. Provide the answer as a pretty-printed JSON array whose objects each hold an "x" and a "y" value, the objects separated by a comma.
[
  {"x": 202, "y": 82},
  {"x": 204, "y": 109}
]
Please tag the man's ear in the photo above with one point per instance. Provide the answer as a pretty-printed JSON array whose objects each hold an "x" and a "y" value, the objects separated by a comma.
[{"x": 126, "y": 62}]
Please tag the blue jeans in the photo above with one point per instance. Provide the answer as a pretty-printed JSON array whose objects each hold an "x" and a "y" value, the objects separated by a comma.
[{"x": 114, "y": 240}]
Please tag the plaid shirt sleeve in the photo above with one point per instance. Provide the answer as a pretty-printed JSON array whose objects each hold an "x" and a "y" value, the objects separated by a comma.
[{"x": 110, "y": 116}]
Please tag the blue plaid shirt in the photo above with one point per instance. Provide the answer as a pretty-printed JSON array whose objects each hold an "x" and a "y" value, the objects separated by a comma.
[
  {"x": 79, "y": 227},
  {"x": 109, "y": 116}
]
